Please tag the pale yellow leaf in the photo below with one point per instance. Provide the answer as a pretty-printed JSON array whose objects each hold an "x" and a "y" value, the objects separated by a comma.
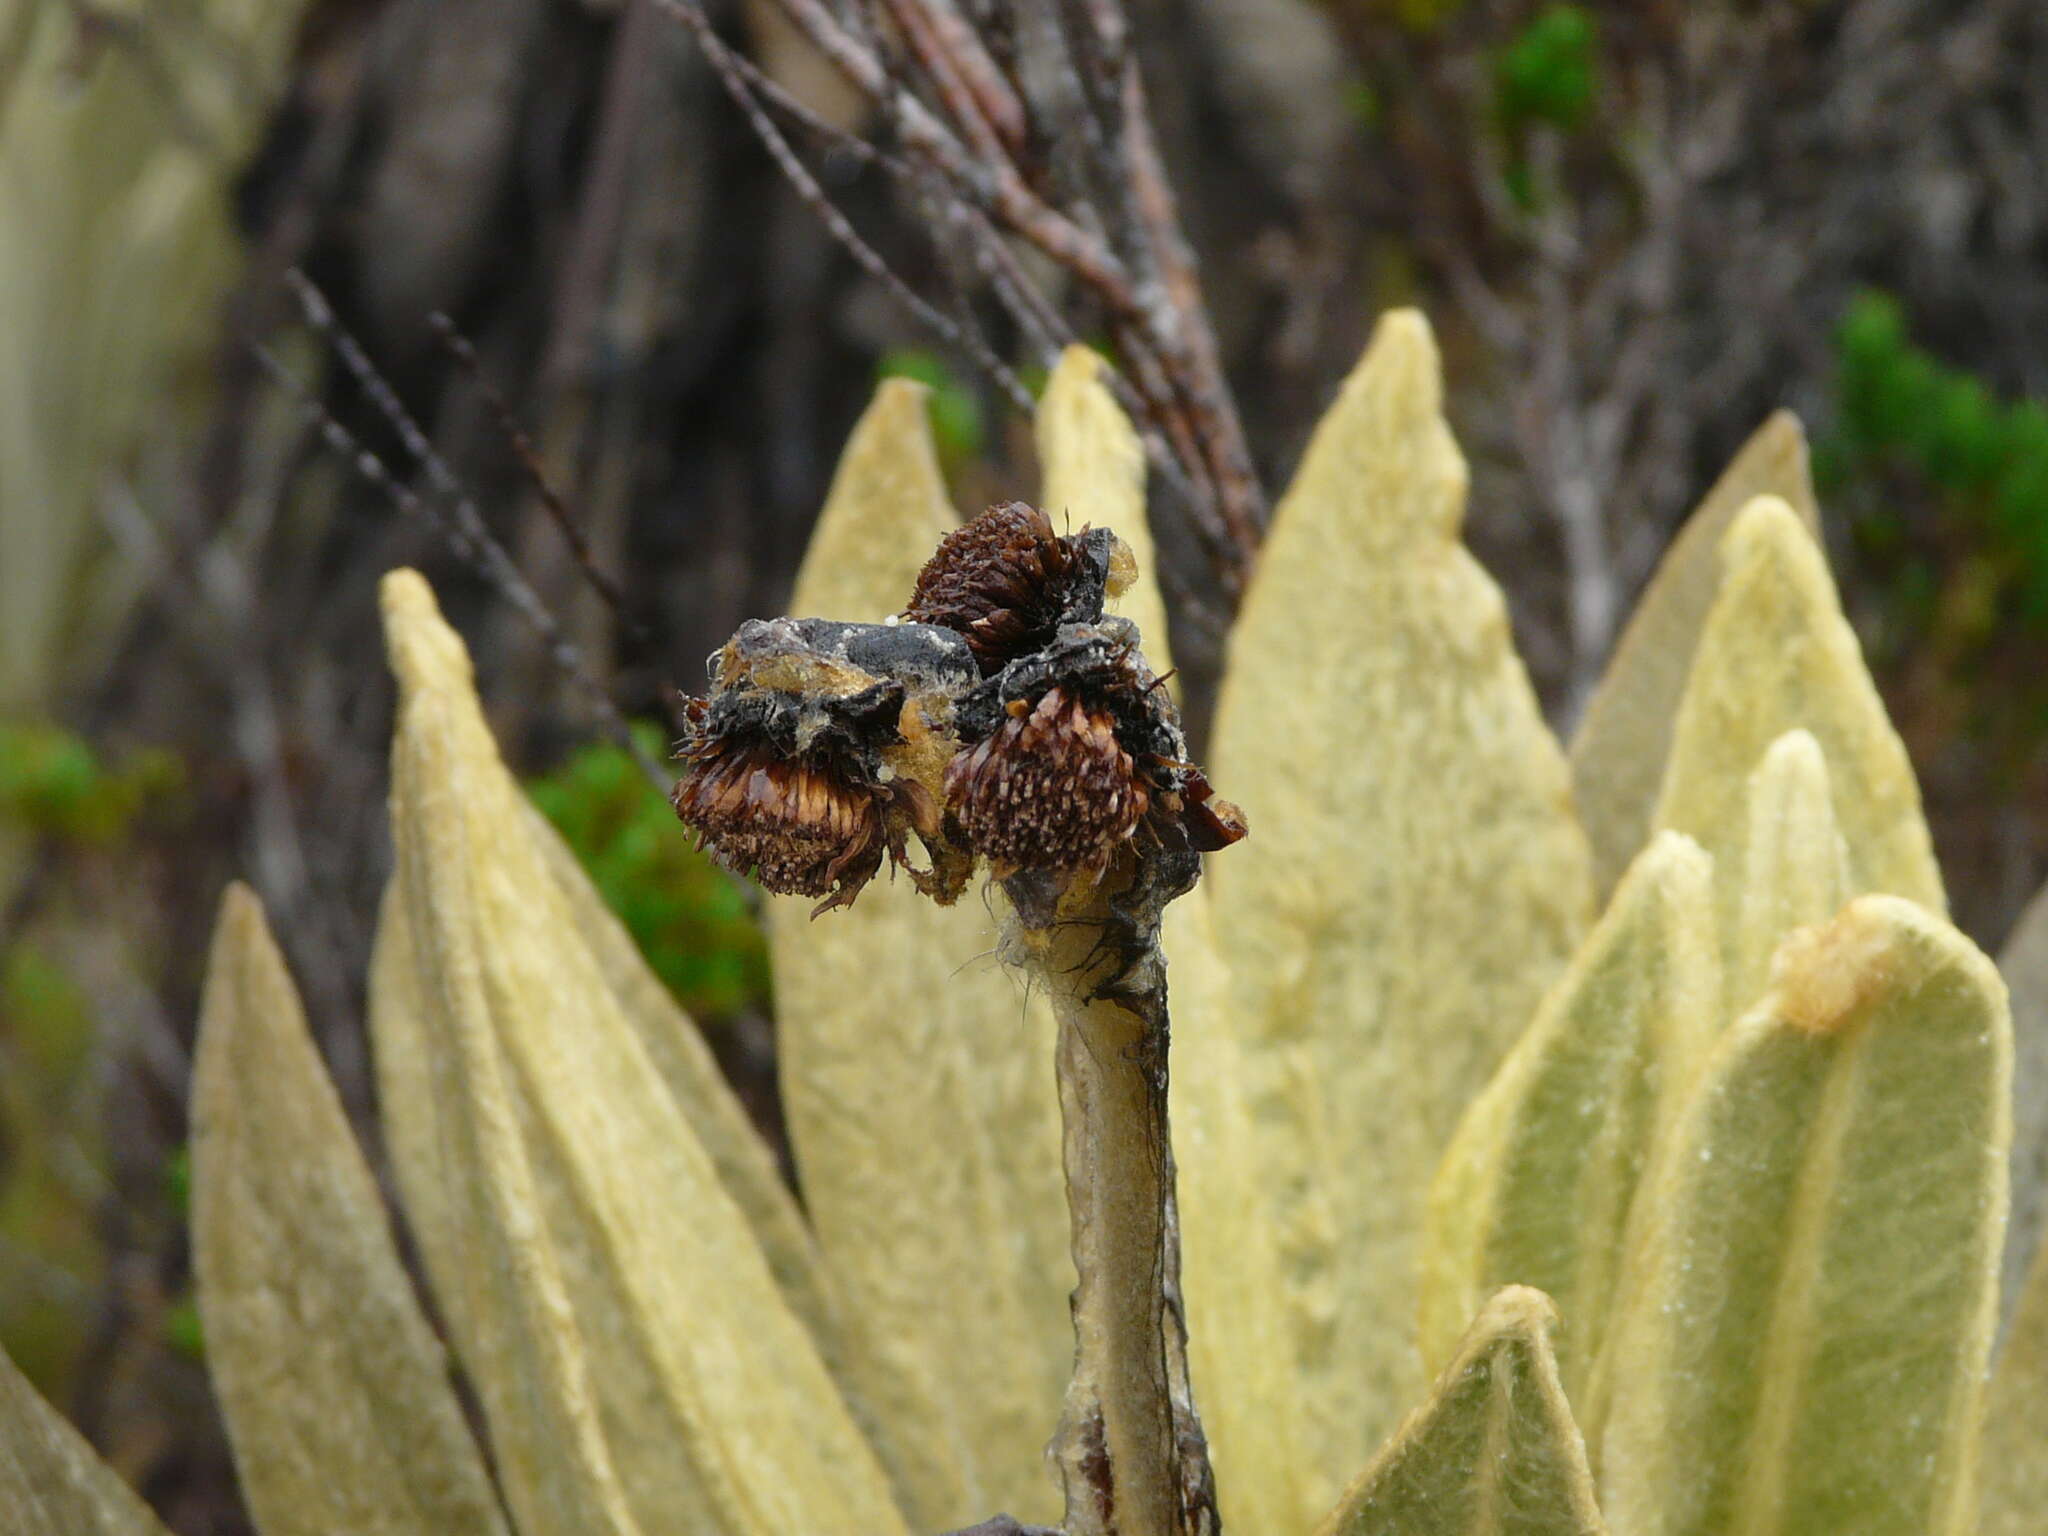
[
  {"x": 2015, "y": 1452},
  {"x": 1536, "y": 1187},
  {"x": 506, "y": 1297},
  {"x": 885, "y": 514},
  {"x": 51, "y": 1482},
  {"x": 646, "y": 1253},
  {"x": 1777, "y": 655},
  {"x": 1413, "y": 880},
  {"x": 1807, "y": 1305},
  {"x": 917, "y": 1080},
  {"x": 1092, "y": 471},
  {"x": 1624, "y": 736},
  {"x": 746, "y": 1166},
  {"x": 1230, "y": 1269},
  {"x": 2024, "y": 965},
  {"x": 335, "y": 1391},
  {"x": 1494, "y": 1452},
  {"x": 1792, "y": 868}
]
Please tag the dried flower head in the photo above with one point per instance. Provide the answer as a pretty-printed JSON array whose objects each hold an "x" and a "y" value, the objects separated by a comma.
[
  {"x": 1007, "y": 582},
  {"x": 802, "y": 825},
  {"x": 1051, "y": 788}
]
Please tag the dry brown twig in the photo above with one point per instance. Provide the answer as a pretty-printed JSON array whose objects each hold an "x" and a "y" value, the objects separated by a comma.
[{"x": 1041, "y": 140}]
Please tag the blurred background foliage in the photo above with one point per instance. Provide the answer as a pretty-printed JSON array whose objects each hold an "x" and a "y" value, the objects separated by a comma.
[{"x": 1637, "y": 228}]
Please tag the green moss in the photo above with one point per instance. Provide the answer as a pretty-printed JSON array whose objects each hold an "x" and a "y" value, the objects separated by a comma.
[
  {"x": 1902, "y": 408},
  {"x": 1550, "y": 71},
  {"x": 690, "y": 918},
  {"x": 52, "y": 781}
]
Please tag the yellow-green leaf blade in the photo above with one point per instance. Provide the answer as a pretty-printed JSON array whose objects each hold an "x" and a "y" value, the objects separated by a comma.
[
  {"x": 1792, "y": 869},
  {"x": 335, "y": 1391},
  {"x": 1777, "y": 655},
  {"x": 1624, "y": 736},
  {"x": 506, "y": 1296},
  {"x": 1383, "y": 739},
  {"x": 917, "y": 1082},
  {"x": 1809, "y": 1302},
  {"x": 1092, "y": 470},
  {"x": 51, "y": 1482},
  {"x": 653, "y": 1257},
  {"x": 1494, "y": 1452},
  {"x": 1536, "y": 1187}
]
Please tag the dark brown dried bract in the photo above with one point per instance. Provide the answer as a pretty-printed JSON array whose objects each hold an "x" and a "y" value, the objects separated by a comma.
[
  {"x": 1050, "y": 788},
  {"x": 1004, "y": 581},
  {"x": 796, "y": 826}
]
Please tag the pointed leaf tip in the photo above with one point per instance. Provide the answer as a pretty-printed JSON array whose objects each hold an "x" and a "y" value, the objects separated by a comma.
[
  {"x": 1092, "y": 471},
  {"x": 1494, "y": 1452},
  {"x": 334, "y": 1388},
  {"x": 1619, "y": 750},
  {"x": 1775, "y": 655},
  {"x": 1374, "y": 701},
  {"x": 886, "y": 511},
  {"x": 1791, "y": 869},
  {"x": 52, "y": 1483}
]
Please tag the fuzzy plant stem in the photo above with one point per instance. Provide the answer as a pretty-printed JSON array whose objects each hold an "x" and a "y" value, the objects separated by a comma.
[{"x": 1129, "y": 1447}]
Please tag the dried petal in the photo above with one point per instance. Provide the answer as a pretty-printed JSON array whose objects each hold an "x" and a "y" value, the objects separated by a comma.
[{"x": 1051, "y": 789}]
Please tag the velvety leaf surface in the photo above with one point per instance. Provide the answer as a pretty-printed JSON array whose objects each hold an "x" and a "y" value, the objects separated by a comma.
[
  {"x": 1777, "y": 655},
  {"x": 1413, "y": 881},
  {"x": 51, "y": 1482},
  {"x": 1807, "y": 1308},
  {"x": 2024, "y": 965},
  {"x": 1536, "y": 1187},
  {"x": 1230, "y": 1267},
  {"x": 594, "y": 1228},
  {"x": 1494, "y": 1452},
  {"x": 1792, "y": 869},
  {"x": 1624, "y": 736},
  {"x": 917, "y": 1080},
  {"x": 746, "y": 1165},
  {"x": 335, "y": 1390}
]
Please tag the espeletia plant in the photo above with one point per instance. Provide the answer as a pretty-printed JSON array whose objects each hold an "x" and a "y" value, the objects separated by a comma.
[{"x": 1604, "y": 1141}]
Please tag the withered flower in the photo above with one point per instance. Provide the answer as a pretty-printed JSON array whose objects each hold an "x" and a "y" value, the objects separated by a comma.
[
  {"x": 1051, "y": 789},
  {"x": 1007, "y": 582},
  {"x": 787, "y": 779}
]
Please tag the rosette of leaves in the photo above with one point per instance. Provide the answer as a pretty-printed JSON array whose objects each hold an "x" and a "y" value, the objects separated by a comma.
[{"x": 1567, "y": 1141}]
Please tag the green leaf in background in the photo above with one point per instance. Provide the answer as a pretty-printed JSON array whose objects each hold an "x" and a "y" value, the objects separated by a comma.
[
  {"x": 1494, "y": 1452},
  {"x": 1807, "y": 1306},
  {"x": 1550, "y": 71}
]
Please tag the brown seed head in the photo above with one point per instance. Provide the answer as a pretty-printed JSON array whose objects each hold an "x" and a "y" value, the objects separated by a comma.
[
  {"x": 800, "y": 827},
  {"x": 1050, "y": 789},
  {"x": 1003, "y": 581}
]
